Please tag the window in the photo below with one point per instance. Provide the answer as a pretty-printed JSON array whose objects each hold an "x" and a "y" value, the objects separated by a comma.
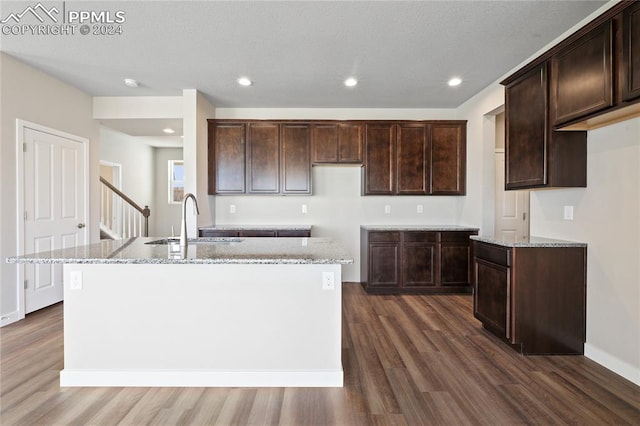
[{"x": 176, "y": 181}]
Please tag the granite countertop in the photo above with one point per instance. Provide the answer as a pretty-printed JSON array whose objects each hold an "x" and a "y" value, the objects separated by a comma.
[
  {"x": 256, "y": 227},
  {"x": 419, "y": 228},
  {"x": 200, "y": 251},
  {"x": 529, "y": 242}
]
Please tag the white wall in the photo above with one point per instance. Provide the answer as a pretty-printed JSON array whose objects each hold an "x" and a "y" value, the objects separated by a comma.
[
  {"x": 164, "y": 215},
  {"x": 607, "y": 218},
  {"x": 137, "y": 161},
  {"x": 478, "y": 207},
  {"x": 31, "y": 95},
  {"x": 197, "y": 110}
]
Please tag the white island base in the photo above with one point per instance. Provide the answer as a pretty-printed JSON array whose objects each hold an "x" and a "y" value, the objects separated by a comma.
[{"x": 202, "y": 325}]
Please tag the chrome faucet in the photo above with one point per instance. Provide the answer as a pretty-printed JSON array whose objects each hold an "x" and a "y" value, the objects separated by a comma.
[{"x": 183, "y": 225}]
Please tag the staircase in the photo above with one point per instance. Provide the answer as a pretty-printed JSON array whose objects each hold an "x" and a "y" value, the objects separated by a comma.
[{"x": 120, "y": 216}]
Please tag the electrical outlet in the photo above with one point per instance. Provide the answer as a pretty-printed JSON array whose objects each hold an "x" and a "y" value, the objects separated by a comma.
[
  {"x": 75, "y": 280},
  {"x": 419, "y": 208},
  {"x": 304, "y": 209},
  {"x": 328, "y": 281},
  {"x": 387, "y": 208},
  {"x": 232, "y": 208}
]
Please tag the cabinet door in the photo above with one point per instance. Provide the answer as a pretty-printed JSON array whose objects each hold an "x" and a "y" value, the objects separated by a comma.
[
  {"x": 296, "y": 159},
  {"x": 412, "y": 145},
  {"x": 227, "y": 143},
  {"x": 380, "y": 159},
  {"x": 350, "y": 143},
  {"x": 325, "y": 143},
  {"x": 582, "y": 76},
  {"x": 631, "y": 53},
  {"x": 384, "y": 258},
  {"x": 264, "y": 158},
  {"x": 526, "y": 130},
  {"x": 455, "y": 259},
  {"x": 419, "y": 259},
  {"x": 491, "y": 296},
  {"x": 337, "y": 143},
  {"x": 448, "y": 159}
]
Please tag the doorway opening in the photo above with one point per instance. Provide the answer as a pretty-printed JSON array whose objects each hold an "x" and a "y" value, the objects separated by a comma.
[{"x": 512, "y": 207}]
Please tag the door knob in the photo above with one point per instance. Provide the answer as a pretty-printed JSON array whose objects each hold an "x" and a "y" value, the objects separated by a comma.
[{"x": 80, "y": 225}]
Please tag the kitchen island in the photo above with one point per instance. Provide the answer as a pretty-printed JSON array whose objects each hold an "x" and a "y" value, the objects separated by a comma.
[{"x": 219, "y": 312}]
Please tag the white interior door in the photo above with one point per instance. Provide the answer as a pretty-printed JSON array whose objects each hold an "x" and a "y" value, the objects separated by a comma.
[
  {"x": 54, "y": 173},
  {"x": 512, "y": 207}
]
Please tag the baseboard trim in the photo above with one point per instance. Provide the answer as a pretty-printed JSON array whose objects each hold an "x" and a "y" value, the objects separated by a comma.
[
  {"x": 622, "y": 368},
  {"x": 89, "y": 378}
]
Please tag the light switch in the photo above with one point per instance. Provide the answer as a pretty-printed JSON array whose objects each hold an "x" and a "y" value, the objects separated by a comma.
[
  {"x": 232, "y": 208},
  {"x": 568, "y": 212}
]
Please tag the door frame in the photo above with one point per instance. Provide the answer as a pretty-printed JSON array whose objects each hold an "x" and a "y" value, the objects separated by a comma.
[{"x": 21, "y": 125}]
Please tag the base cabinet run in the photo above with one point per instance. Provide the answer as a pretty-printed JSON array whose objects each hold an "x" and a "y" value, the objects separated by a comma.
[
  {"x": 532, "y": 297},
  {"x": 418, "y": 262},
  {"x": 266, "y": 232}
]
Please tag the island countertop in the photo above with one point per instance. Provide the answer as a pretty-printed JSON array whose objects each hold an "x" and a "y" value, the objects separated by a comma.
[{"x": 199, "y": 251}]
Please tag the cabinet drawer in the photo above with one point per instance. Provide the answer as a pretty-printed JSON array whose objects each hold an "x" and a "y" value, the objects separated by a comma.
[
  {"x": 421, "y": 236},
  {"x": 494, "y": 254},
  {"x": 211, "y": 233},
  {"x": 384, "y": 236},
  {"x": 455, "y": 237},
  {"x": 293, "y": 233}
]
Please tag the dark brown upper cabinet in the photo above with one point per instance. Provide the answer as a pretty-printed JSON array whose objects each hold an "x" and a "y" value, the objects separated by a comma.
[
  {"x": 296, "y": 158},
  {"x": 337, "y": 143},
  {"x": 380, "y": 159},
  {"x": 227, "y": 157},
  {"x": 537, "y": 156},
  {"x": 261, "y": 157},
  {"x": 448, "y": 159},
  {"x": 594, "y": 74},
  {"x": 412, "y": 147},
  {"x": 582, "y": 76},
  {"x": 630, "y": 70},
  {"x": 415, "y": 158}
]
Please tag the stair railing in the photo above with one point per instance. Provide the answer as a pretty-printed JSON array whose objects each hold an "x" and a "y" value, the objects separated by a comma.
[{"x": 120, "y": 215}]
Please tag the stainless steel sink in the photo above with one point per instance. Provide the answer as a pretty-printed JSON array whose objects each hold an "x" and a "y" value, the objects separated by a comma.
[{"x": 202, "y": 240}]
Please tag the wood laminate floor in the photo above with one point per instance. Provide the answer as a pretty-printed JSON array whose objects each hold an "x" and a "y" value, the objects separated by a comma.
[{"x": 408, "y": 360}]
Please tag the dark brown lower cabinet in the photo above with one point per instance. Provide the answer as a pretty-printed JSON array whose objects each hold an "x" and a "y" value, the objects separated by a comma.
[
  {"x": 534, "y": 298},
  {"x": 267, "y": 232},
  {"x": 415, "y": 261}
]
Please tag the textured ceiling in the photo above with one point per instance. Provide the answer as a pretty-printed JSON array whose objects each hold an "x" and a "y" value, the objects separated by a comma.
[{"x": 299, "y": 52}]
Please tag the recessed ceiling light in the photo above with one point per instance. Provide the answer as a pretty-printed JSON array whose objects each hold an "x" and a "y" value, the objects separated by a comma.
[
  {"x": 244, "y": 81},
  {"x": 130, "y": 82},
  {"x": 455, "y": 81},
  {"x": 350, "y": 82},
  {"x": 169, "y": 131}
]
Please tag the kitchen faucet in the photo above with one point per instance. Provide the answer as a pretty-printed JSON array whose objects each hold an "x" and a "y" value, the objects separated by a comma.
[{"x": 183, "y": 225}]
